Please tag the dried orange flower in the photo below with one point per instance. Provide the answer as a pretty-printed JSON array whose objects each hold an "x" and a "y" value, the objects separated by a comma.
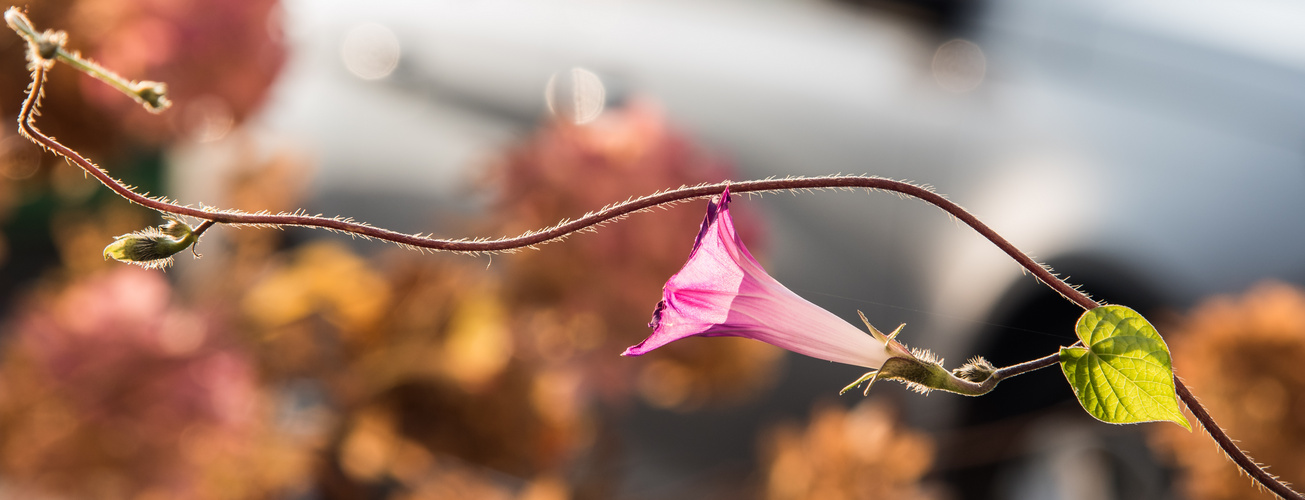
[{"x": 1242, "y": 355}]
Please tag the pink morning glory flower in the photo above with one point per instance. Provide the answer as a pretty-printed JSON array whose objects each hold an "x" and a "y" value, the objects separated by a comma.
[{"x": 723, "y": 291}]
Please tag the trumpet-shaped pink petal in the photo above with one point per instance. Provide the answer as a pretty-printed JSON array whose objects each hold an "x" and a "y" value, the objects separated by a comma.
[{"x": 723, "y": 291}]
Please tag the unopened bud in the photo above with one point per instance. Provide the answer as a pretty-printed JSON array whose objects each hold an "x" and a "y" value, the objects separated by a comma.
[
  {"x": 152, "y": 247},
  {"x": 15, "y": 18},
  {"x": 154, "y": 95},
  {"x": 977, "y": 370},
  {"x": 43, "y": 46}
]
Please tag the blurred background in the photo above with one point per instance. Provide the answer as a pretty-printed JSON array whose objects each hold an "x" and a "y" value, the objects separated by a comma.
[{"x": 1153, "y": 152}]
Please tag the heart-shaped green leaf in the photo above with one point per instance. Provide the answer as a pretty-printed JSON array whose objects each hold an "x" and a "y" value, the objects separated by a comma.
[{"x": 1124, "y": 374}]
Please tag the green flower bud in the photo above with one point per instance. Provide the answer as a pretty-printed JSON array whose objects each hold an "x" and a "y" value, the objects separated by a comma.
[{"x": 152, "y": 247}]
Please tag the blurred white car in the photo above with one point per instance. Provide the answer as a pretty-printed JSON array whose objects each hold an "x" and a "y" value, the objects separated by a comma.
[{"x": 1152, "y": 151}]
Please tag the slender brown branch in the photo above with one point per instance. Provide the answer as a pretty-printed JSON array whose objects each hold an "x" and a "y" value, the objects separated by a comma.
[
  {"x": 203, "y": 226},
  {"x": 1229, "y": 446},
  {"x": 548, "y": 235},
  {"x": 1025, "y": 367},
  {"x": 26, "y": 123}
]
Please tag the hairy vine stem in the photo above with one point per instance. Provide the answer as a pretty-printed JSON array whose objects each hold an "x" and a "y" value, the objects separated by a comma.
[{"x": 47, "y": 47}]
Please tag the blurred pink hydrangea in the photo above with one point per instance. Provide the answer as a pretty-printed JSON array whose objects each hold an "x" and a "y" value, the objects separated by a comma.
[{"x": 108, "y": 379}]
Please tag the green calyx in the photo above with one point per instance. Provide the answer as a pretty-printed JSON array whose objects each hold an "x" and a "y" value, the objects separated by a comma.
[
  {"x": 923, "y": 372},
  {"x": 924, "y": 376}
]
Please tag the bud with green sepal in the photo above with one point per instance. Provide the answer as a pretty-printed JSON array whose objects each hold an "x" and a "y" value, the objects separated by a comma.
[
  {"x": 153, "y": 247},
  {"x": 923, "y": 372}
]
